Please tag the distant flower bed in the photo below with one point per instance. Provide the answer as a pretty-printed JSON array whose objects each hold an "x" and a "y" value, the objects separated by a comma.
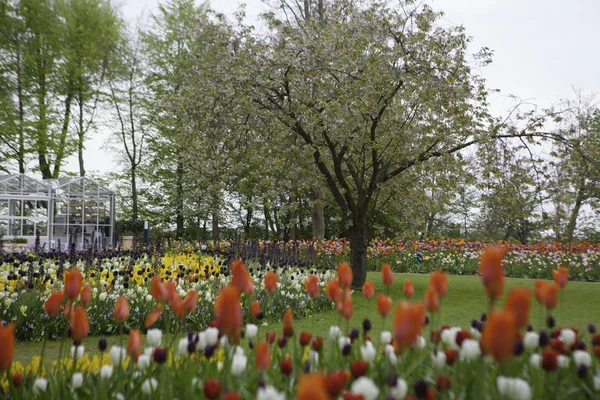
[
  {"x": 455, "y": 256},
  {"x": 499, "y": 356},
  {"x": 26, "y": 282}
]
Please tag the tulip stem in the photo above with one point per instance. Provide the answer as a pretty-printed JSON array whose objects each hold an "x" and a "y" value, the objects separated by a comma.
[{"x": 41, "y": 366}]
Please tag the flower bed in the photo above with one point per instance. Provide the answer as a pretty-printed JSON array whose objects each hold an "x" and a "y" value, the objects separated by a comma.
[
  {"x": 498, "y": 357},
  {"x": 27, "y": 281}
]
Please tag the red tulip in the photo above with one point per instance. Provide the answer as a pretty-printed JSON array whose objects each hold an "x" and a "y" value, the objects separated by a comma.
[
  {"x": 79, "y": 324},
  {"x": 518, "y": 303},
  {"x": 368, "y": 290},
  {"x": 121, "y": 311},
  {"x": 255, "y": 308},
  {"x": 73, "y": 280},
  {"x": 86, "y": 295},
  {"x": 409, "y": 319},
  {"x": 492, "y": 272},
  {"x": 384, "y": 305},
  {"x": 439, "y": 281},
  {"x": 358, "y": 368},
  {"x": 561, "y": 276},
  {"x": 7, "y": 346},
  {"x": 228, "y": 311},
  {"x": 345, "y": 275},
  {"x": 159, "y": 290},
  {"x": 212, "y": 389},
  {"x": 432, "y": 300},
  {"x": 387, "y": 275},
  {"x": 271, "y": 281},
  {"x": 333, "y": 289},
  {"x": 240, "y": 278},
  {"x": 153, "y": 316},
  {"x": 312, "y": 286},
  {"x": 409, "y": 290},
  {"x": 54, "y": 303},
  {"x": 135, "y": 343},
  {"x": 263, "y": 356},
  {"x": 498, "y": 337}
]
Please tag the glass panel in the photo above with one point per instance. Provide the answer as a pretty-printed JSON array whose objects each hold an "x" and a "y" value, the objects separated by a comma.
[
  {"x": 3, "y": 227},
  {"x": 15, "y": 208},
  {"x": 3, "y": 207},
  {"x": 91, "y": 212},
  {"x": 76, "y": 212},
  {"x": 28, "y": 227},
  {"x": 15, "y": 228},
  {"x": 60, "y": 230},
  {"x": 28, "y": 208},
  {"x": 41, "y": 209},
  {"x": 42, "y": 226}
]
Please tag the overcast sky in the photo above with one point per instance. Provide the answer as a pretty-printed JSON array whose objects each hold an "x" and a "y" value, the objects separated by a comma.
[{"x": 543, "y": 49}]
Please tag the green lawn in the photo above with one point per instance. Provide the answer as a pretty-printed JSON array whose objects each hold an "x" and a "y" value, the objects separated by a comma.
[{"x": 465, "y": 300}]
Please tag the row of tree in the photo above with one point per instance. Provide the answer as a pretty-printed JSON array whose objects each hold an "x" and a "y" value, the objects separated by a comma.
[{"x": 331, "y": 118}]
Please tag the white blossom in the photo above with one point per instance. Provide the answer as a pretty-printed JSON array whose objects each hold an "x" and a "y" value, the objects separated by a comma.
[
  {"x": 513, "y": 388},
  {"x": 40, "y": 385},
  {"x": 334, "y": 332},
  {"x": 439, "y": 359},
  {"x": 117, "y": 355},
  {"x": 269, "y": 393},
  {"x": 80, "y": 351},
  {"x": 535, "y": 361},
  {"x": 251, "y": 331},
  {"x": 238, "y": 363},
  {"x": 106, "y": 371},
  {"x": 77, "y": 380},
  {"x": 365, "y": 387},
  {"x": 581, "y": 357},
  {"x": 563, "y": 361},
  {"x": 469, "y": 349},
  {"x": 399, "y": 390},
  {"x": 531, "y": 341},
  {"x": 149, "y": 386},
  {"x": 143, "y": 361},
  {"x": 567, "y": 336},
  {"x": 154, "y": 337},
  {"x": 212, "y": 335},
  {"x": 386, "y": 337},
  {"x": 343, "y": 341}
]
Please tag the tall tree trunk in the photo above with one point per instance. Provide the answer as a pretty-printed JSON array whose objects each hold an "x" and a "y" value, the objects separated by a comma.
[
  {"x": 570, "y": 231},
  {"x": 358, "y": 250},
  {"x": 21, "y": 151},
  {"x": 80, "y": 136},
  {"x": 267, "y": 217},
  {"x": 249, "y": 212},
  {"x": 216, "y": 235},
  {"x": 179, "y": 199},
  {"x": 134, "y": 193},
  {"x": 60, "y": 151},
  {"x": 293, "y": 216},
  {"x": 42, "y": 128}
]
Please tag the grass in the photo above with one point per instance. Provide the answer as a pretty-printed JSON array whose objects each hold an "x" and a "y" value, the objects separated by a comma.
[{"x": 464, "y": 302}]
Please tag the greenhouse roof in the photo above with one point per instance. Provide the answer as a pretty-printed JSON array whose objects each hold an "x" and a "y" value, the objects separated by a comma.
[{"x": 21, "y": 184}]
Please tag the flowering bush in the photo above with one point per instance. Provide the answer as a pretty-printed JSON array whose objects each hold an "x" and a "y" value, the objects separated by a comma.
[{"x": 498, "y": 357}]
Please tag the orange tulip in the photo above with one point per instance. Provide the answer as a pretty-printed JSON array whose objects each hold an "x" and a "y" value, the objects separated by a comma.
[
  {"x": 79, "y": 324},
  {"x": 312, "y": 387},
  {"x": 240, "y": 278},
  {"x": 439, "y": 281},
  {"x": 561, "y": 276},
  {"x": 347, "y": 309},
  {"x": 409, "y": 319},
  {"x": 432, "y": 300},
  {"x": 172, "y": 295},
  {"x": 368, "y": 290},
  {"x": 153, "y": 317},
  {"x": 159, "y": 290},
  {"x": 188, "y": 304},
  {"x": 73, "y": 280},
  {"x": 7, "y": 346},
  {"x": 492, "y": 272},
  {"x": 121, "y": 311},
  {"x": 288, "y": 317},
  {"x": 263, "y": 356},
  {"x": 333, "y": 289},
  {"x": 311, "y": 284},
  {"x": 228, "y": 311},
  {"x": 551, "y": 295},
  {"x": 384, "y": 305},
  {"x": 68, "y": 310},
  {"x": 255, "y": 309},
  {"x": 409, "y": 290},
  {"x": 54, "y": 303},
  {"x": 86, "y": 295},
  {"x": 345, "y": 275},
  {"x": 498, "y": 337},
  {"x": 518, "y": 303},
  {"x": 387, "y": 275},
  {"x": 271, "y": 281},
  {"x": 540, "y": 288},
  {"x": 135, "y": 343}
]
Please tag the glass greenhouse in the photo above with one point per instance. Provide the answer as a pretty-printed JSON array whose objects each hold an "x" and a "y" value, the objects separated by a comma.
[{"x": 70, "y": 209}]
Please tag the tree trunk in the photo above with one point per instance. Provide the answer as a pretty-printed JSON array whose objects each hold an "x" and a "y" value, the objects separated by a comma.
[
  {"x": 21, "y": 155},
  {"x": 358, "y": 251},
  {"x": 134, "y": 194},
  {"x": 60, "y": 151},
  {"x": 266, "y": 212},
  {"x": 249, "y": 215},
  {"x": 42, "y": 129},
  {"x": 80, "y": 135},
  {"x": 179, "y": 199},
  {"x": 570, "y": 231},
  {"x": 293, "y": 215},
  {"x": 215, "y": 226},
  {"x": 318, "y": 220}
]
